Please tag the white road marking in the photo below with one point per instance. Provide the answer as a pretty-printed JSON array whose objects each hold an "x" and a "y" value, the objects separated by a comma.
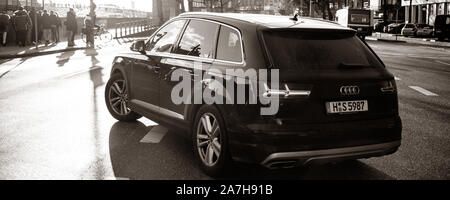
[
  {"x": 444, "y": 63},
  {"x": 423, "y": 91},
  {"x": 155, "y": 135},
  {"x": 398, "y": 79}
]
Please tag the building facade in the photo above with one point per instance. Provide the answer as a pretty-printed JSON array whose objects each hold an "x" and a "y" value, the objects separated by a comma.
[
  {"x": 163, "y": 10},
  {"x": 425, "y": 11},
  {"x": 393, "y": 10},
  {"x": 10, "y": 5}
]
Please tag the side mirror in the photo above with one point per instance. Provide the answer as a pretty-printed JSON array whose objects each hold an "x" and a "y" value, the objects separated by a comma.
[{"x": 138, "y": 46}]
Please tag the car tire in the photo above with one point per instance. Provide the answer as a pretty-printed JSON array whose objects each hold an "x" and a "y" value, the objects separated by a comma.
[
  {"x": 210, "y": 145},
  {"x": 116, "y": 98}
]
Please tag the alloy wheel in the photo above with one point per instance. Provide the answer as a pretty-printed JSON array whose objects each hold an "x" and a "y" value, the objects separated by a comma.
[
  {"x": 209, "y": 139},
  {"x": 118, "y": 97}
]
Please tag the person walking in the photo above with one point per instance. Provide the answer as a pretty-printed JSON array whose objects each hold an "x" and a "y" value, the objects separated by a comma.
[
  {"x": 22, "y": 22},
  {"x": 58, "y": 27},
  {"x": 46, "y": 28},
  {"x": 4, "y": 26},
  {"x": 39, "y": 26},
  {"x": 89, "y": 31},
  {"x": 72, "y": 27},
  {"x": 54, "y": 26}
]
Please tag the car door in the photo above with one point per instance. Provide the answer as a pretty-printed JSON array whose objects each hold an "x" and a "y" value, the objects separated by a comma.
[
  {"x": 145, "y": 82},
  {"x": 195, "y": 50}
]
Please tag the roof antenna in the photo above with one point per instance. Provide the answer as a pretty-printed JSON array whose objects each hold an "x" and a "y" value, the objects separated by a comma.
[{"x": 296, "y": 15}]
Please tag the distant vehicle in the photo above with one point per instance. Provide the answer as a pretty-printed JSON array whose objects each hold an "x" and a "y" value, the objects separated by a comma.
[
  {"x": 409, "y": 30},
  {"x": 379, "y": 26},
  {"x": 442, "y": 27},
  {"x": 338, "y": 101},
  {"x": 425, "y": 30},
  {"x": 395, "y": 28},
  {"x": 360, "y": 20}
]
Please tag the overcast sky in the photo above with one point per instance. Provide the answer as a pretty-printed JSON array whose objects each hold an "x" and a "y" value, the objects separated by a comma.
[{"x": 140, "y": 4}]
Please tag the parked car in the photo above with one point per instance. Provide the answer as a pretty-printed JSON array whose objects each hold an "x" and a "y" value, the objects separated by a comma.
[
  {"x": 424, "y": 30},
  {"x": 395, "y": 28},
  {"x": 409, "y": 30},
  {"x": 333, "y": 104},
  {"x": 442, "y": 27}
]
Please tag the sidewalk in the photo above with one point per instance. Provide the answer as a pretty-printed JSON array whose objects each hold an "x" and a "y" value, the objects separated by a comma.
[
  {"x": 9, "y": 52},
  {"x": 386, "y": 37}
]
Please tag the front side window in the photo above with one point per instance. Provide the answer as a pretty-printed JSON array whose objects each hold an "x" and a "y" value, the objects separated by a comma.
[
  {"x": 229, "y": 45},
  {"x": 165, "y": 39},
  {"x": 198, "y": 39}
]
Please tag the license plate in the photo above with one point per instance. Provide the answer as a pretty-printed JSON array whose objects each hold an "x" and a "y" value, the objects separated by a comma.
[{"x": 347, "y": 106}]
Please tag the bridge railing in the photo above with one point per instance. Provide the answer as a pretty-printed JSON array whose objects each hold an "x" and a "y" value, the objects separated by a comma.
[{"x": 127, "y": 29}]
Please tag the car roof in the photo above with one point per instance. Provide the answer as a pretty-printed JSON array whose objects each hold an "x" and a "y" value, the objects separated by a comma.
[{"x": 268, "y": 21}]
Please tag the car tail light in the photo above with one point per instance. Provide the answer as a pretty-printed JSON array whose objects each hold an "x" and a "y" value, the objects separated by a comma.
[{"x": 388, "y": 86}]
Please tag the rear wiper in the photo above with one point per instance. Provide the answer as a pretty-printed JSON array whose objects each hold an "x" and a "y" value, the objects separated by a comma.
[{"x": 352, "y": 66}]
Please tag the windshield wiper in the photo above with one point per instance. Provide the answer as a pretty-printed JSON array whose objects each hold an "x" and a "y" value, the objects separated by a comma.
[{"x": 352, "y": 66}]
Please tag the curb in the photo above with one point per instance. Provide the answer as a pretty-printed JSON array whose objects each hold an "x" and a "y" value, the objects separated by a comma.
[
  {"x": 385, "y": 40},
  {"x": 42, "y": 53}
]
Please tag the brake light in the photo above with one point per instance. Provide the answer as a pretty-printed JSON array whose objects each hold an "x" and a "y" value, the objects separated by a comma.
[{"x": 388, "y": 87}]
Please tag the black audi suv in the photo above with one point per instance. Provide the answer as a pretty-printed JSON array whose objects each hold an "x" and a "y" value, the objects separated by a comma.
[{"x": 336, "y": 99}]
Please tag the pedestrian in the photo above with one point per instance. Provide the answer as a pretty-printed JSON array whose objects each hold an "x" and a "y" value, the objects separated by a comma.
[
  {"x": 46, "y": 28},
  {"x": 58, "y": 27},
  {"x": 22, "y": 22},
  {"x": 39, "y": 26},
  {"x": 29, "y": 30},
  {"x": 72, "y": 27},
  {"x": 89, "y": 31},
  {"x": 4, "y": 26},
  {"x": 54, "y": 26}
]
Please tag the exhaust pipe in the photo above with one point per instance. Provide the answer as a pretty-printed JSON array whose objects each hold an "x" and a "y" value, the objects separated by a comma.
[{"x": 282, "y": 164}]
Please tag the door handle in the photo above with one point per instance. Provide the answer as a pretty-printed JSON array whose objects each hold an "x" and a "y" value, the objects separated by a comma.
[
  {"x": 155, "y": 69},
  {"x": 166, "y": 77}
]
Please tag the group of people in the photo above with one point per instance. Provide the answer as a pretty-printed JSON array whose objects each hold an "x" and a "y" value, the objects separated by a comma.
[{"x": 48, "y": 27}]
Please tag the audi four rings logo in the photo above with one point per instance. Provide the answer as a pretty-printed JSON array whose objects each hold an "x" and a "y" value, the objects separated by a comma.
[{"x": 349, "y": 90}]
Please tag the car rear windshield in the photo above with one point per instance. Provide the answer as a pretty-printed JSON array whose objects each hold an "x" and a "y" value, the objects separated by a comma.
[{"x": 300, "y": 50}]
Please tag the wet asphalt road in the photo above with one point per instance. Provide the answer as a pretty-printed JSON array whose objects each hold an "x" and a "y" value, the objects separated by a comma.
[{"x": 54, "y": 124}]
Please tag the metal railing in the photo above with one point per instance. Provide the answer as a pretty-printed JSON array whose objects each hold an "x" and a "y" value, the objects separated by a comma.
[{"x": 126, "y": 29}]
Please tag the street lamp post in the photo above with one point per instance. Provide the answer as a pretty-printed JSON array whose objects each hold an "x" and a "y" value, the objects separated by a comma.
[{"x": 410, "y": 11}]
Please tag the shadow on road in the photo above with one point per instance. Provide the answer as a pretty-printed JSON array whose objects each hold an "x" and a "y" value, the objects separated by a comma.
[
  {"x": 173, "y": 159},
  {"x": 64, "y": 58}
]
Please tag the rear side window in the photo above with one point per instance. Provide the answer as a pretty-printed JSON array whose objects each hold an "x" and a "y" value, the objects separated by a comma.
[
  {"x": 198, "y": 39},
  {"x": 165, "y": 38},
  {"x": 299, "y": 50},
  {"x": 229, "y": 45}
]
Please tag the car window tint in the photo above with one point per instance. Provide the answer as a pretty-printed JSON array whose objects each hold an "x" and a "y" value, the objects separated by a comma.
[
  {"x": 165, "y": 38},
  {"x": 229, "y": 45},
  {"x": 297, "y": 50},
  {"x": 198, "y": 39}
]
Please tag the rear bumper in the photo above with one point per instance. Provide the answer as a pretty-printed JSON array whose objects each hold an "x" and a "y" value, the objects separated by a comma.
[
  {"x": 304, "y": 143},
  {"x": 300, "y": 158}
]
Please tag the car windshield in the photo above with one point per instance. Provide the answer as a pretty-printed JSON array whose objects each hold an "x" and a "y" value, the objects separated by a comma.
[{"x": 299, "y": 50}]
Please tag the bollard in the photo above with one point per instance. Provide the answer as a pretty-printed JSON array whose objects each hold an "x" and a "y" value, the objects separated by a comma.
[{"x": 116, "y": 32}]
